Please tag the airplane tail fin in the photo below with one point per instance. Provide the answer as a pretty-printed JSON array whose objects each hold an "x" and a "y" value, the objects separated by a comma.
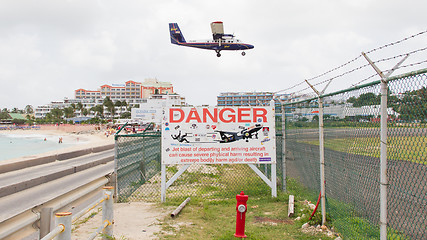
[{"x": 176, "y": 34}]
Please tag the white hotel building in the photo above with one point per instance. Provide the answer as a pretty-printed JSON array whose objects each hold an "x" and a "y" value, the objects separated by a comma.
[{"x": 134, "y": 93}]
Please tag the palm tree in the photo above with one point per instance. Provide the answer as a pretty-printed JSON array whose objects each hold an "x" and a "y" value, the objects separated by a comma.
[
  {"x": 80, "y": 107},
  {"x": 57, "y": 114},
  {"x": 98, "y": 109},
  {"x": 29, "y": 109},
  {"x": 110, "y": 106},
  {"x": 85, "y": 112},
  {"x": 118, "y": 104},
  {"x": 69, "y": 112},
  {"x": 30, "y": 119}
]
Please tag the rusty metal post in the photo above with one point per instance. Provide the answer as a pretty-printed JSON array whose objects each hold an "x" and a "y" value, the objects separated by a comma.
[{"x": 108, "y": 213}]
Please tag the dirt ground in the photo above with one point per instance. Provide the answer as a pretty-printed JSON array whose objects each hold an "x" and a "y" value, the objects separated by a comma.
[{"x": 132, "y": 221}]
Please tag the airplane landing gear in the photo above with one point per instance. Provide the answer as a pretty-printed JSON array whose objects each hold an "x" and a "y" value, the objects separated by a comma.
[
  {"x": 217, "y": 53},
  {"x": 243, "y": 53}
]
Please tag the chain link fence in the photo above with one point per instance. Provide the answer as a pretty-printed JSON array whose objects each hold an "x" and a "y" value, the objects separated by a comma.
[
  {"x": 138, "y": 162},
  {"x": 139, "y": 174},
  {"x": 352, "y": 156},
  {"x": 352, "y": 161}
]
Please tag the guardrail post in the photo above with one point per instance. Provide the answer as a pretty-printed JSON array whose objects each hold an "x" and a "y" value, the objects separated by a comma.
[
  {"x": 108, "y": 213},
  {"x": 113, "y": 183},
  {"x": 64, "y": 219},
  {"x": 45, "y": 221}
]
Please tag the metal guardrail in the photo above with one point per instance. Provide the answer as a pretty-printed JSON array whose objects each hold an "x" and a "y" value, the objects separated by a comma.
[
  {"x": 64, "y": 220},
  {"x": 17, "y": 226}
]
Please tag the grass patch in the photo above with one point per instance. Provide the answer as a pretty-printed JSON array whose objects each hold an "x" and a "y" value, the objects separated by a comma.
[
  {"x": 412, "y": 149},
  {"x": 79, "y": 222},
  {"x": 359, "y": 228},
  {"x": 216, "y": 219}
]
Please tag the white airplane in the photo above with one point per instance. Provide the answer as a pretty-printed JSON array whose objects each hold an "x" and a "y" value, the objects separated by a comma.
[{"x": 220, "y": 40}]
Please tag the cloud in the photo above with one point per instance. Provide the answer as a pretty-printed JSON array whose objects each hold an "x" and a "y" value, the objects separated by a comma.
[
  {"x": 97, "y": 52},
  {"x": 50, "y": 48}
]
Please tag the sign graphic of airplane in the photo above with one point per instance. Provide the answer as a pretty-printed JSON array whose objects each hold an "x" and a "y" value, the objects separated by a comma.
[
  {"x": 245, "y": 134},
  {"x": 220, "y": 40}
]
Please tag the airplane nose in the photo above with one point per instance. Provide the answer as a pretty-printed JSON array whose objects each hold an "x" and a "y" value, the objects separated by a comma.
[{"x": 250, "y": 46}]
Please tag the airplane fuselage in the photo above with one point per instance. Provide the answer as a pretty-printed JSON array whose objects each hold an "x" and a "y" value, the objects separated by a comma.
[{"x": 227, "y": 44}]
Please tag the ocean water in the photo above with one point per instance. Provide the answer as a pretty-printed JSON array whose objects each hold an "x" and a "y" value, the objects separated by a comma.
[{"x": 23, "y": 145}]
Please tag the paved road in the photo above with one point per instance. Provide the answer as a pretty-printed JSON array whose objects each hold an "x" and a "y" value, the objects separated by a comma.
[{"x": 15, "y": 181}]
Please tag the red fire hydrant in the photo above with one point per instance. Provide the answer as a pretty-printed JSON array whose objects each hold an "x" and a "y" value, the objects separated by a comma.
[{"x": 241, "y": 209}]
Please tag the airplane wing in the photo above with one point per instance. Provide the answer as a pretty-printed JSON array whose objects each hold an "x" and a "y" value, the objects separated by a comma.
[{"x": 217, "y": 30}]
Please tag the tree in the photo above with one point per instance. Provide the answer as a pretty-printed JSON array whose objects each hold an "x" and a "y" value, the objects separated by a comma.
[
  {"x": 4, "y": 115},
  {"x": 18, "y": 121},
  {"x": 118, "y": 104},
  {"x": 365, "y": 99},
  {"x": 304, "y": 119},
  {"x": 125, "y": 115},
  {"x": 29, "y": 109},
  {"x": 99, "y": 110},
  {"x": 57, "y": 114},
  {"x": 85, "y": 112},
  {"x": 110, "y": 106},
  {"x": 69, "y": 112},
  {"x": 412, "y": 106},
  {"x": 80, "y": 107},
  {"x": 30, "y": 119}
]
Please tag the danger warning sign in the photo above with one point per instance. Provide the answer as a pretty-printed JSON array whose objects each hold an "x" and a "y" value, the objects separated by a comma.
[{"x": 218, "y": 135}]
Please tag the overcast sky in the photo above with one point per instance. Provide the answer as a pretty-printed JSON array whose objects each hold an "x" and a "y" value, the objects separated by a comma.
[{"x": 49, "y": 48}]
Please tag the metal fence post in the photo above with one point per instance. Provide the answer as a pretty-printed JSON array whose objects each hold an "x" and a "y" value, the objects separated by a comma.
[
  {"x": 383, "y": 162},
  {"x": 321, "y": 151},
  {"x": 383, "y": 143},
  {"x": 284, "y": 149},
  {"x": 64, "y": 219},
  {"x": 163, "y": 183},
  {"x": 108, "y": 213},
  {"x": 322, "y": 162},
  {"x": 116, "y": 162}
]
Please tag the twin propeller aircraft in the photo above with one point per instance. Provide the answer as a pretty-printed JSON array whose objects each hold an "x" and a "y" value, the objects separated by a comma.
[{"x": 220, "y": 40}]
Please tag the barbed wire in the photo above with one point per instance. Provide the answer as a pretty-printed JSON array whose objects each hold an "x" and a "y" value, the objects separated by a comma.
[
  {"x": 402, "y": 66},
  {"x": 342, "y": 74},
  {"x": 334, "y": 69},
  {"x": 400, "y": 55},
  {"x": 397, "y": 42},
  {"x": 363, "y": 66},
  {"x": 364, "y": 80},
  {"x": 283, "y": 90}
]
